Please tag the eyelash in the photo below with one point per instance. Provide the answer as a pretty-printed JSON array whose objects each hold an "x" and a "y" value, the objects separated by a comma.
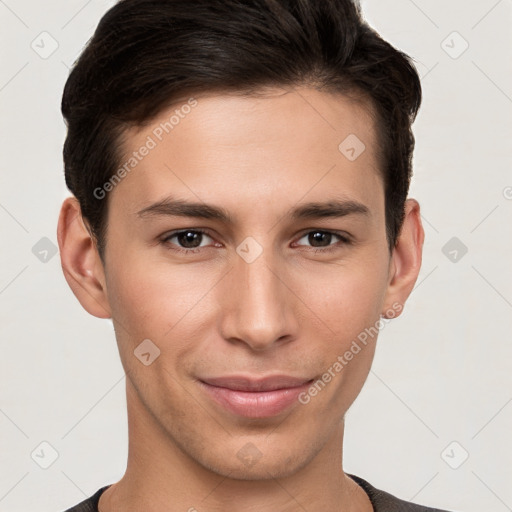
[{"x": 345, "y": 240}]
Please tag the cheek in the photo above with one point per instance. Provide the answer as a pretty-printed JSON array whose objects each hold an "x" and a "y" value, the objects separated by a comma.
[
  {"x": 149, "y": 300},
  {"x": 346, "y": 297},
  {"x": 160, "y": 300},
  {"x": 348, "y": 302}
]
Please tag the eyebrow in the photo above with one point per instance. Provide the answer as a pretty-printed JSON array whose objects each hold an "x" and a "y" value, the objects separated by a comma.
[{"x": 173, "y": 207}]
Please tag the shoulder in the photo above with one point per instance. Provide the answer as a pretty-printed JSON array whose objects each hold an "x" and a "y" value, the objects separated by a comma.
[
  {"x": 90, "y": 504},
  {"x": 385, "y": 502}
]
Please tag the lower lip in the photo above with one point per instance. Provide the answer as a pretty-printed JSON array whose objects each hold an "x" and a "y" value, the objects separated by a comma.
[{"x": 255, "y": 404}]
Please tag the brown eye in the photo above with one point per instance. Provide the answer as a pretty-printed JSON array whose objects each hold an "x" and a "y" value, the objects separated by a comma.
[
  {"x": 189, "y": 239},
  {"x": 186, "y": 240},
  {"x": 320, "y": 239}
]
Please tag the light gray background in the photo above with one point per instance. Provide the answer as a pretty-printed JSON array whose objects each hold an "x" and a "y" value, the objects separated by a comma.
[{"x": 442, "y": 370}]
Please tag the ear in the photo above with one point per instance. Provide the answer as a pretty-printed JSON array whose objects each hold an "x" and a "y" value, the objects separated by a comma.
[
  {"x": 405, "y": 262},
  {"x": 80, "y": 260}
]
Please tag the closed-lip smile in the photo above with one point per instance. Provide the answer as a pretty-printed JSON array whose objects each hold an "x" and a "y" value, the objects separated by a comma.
[{"x": 255, "y": 397}]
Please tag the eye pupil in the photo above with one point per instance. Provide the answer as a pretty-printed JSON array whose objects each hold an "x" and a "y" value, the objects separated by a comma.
[
  {"x": 319, "y": 236},
  {"x": 189, "y": 237}
]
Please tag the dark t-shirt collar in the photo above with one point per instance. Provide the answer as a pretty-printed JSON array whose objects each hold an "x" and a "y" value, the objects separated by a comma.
[{"x": 380, "y": 500}]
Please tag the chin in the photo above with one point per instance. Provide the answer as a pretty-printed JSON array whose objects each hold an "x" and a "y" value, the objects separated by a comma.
[{"x": 249, "y": 463}]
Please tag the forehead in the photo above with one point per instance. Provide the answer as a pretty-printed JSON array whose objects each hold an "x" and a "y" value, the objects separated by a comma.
[{"x": 282, "y": 145}]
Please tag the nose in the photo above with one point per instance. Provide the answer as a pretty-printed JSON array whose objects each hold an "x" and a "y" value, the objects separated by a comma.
[{"x": 257, "y": 308}]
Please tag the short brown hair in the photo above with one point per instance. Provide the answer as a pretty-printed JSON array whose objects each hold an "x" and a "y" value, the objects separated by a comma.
[{"x": 145, "y": 54}]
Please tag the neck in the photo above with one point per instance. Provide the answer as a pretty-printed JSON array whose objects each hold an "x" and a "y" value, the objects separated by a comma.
[{"x": 160, "y": 477}]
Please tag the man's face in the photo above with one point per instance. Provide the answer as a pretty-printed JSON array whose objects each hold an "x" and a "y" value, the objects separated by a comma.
[{"x": 264, "y": 294}]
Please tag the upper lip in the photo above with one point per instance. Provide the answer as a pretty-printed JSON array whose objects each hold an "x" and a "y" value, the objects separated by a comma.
[{"x": 271, "y": 383}]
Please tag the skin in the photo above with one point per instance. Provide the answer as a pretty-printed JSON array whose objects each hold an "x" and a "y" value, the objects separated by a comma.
[{"x": 293, "y": 310}]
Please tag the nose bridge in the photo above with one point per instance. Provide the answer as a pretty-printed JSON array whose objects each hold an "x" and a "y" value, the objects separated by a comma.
[{"x": 259, "y": 310}]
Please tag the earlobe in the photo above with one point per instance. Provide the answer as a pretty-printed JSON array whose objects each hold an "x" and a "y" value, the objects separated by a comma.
[
  {"x": 406, "y": 259},
  {"x": 80, "y": 260}
]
